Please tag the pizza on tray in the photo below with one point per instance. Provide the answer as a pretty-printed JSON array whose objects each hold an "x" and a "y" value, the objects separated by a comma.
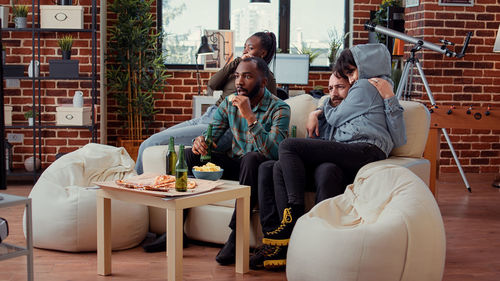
[{"x": 155, "y": 183}]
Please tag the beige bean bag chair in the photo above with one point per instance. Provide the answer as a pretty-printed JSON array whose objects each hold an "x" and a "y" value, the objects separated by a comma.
[
  {"x": 385, "y": 227},
  {"x": 64, "y": 207}
]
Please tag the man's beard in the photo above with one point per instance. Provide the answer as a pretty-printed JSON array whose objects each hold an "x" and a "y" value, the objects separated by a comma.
[{"x": 252, "y": 93}]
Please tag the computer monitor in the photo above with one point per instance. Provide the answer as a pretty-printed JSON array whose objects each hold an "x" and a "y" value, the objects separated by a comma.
[{"x": 291, "y": 69}]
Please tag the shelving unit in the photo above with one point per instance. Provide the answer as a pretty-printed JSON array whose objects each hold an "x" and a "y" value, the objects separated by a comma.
[{"x": 36, "y": 33}]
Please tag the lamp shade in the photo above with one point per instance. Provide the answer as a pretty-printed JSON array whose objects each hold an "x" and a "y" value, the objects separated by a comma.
[
  {"x": 496, "y": 48},
  {"x": 205, "y": 48},
  {"x": 260, "y": 1}
]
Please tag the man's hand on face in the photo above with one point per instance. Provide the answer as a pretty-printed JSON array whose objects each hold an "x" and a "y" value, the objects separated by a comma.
[
  {"x": 200, "y": 146},
  {"x": 243, "y": 104}
]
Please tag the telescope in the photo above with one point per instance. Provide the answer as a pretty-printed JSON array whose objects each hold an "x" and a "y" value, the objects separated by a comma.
[{"x": 424, "y": 44}]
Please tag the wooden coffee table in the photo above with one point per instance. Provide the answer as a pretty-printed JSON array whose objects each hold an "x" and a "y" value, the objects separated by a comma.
[{"x": 174, "y": 207}]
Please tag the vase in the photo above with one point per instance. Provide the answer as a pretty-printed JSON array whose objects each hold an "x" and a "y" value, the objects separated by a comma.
[
  {"x": 66, "y": 55},
  {"x": 34, "y": 68},
  {"x": 30, "y": 121},
  {"x": 31, "y": 163},
  {"x": 20, "y": 22},
  {"x": 78, "y": 99}
]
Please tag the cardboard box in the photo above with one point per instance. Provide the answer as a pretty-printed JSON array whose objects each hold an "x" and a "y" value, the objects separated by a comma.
[
  {"x": 73, "y": 116},
  {"x": 61, "y": 16},
  {"x": 63, "y": 68},
  {"x": 7, "y": 115}
]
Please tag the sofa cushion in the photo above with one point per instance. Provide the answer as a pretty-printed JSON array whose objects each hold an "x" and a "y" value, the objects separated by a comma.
[
  {"x": 417, "y": 121},
  {"x": 300, "y": 107}
]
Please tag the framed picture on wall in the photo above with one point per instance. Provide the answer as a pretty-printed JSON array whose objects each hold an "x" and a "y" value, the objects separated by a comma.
[
  {"x": 469, "y": 3},
  {"x": 412, "y": 3},
  {"x": 222, "y": 42}
]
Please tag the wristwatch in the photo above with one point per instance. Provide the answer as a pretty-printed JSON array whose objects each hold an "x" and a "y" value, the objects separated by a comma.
[{"x": 253, "y": 123}]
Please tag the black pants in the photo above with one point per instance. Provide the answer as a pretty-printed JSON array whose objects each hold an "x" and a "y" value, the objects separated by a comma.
[
  {"x": 244, "y": 169},
  {"x": 327, "y": 179},
  {"x": 298, "y": 155}
]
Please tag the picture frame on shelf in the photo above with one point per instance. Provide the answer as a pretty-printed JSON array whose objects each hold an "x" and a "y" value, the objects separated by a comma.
[
  {"x": 222, "y": 42},
  {"x": 412, "y": 3}
]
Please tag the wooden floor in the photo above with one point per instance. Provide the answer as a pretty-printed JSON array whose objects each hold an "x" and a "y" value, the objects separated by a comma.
[{"x": 472, "y": 223}]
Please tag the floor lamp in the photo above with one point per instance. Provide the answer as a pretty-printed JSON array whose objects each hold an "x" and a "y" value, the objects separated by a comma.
[{"x": 204, "y": 50}]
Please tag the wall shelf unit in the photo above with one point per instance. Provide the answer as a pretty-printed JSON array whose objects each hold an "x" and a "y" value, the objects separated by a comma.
[{"x": 38, "y": 48}]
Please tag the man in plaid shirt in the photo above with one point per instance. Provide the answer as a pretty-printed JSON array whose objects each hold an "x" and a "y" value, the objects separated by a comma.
[{"x": 258, "y": 121}]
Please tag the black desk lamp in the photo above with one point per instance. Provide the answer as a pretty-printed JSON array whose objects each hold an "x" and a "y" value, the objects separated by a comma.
[{"x": 205, "y": 49}]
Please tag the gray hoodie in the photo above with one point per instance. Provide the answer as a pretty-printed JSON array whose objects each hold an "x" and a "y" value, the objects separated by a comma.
[{"x": 361, "y": 117}]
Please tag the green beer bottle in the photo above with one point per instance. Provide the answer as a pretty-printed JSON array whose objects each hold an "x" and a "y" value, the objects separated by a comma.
[
  {"x": 171, "y": 158},
  {"x": 208, "y": 140},
  {"x": 181, "y": 171},
  {"x": 294, "y": 131}
]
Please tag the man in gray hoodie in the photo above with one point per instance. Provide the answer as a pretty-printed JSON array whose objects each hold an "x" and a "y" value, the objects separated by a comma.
[{"x": 359, "y": 134}]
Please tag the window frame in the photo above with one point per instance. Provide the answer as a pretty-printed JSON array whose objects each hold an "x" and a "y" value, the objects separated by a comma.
[{"x": 283, "y": 28}]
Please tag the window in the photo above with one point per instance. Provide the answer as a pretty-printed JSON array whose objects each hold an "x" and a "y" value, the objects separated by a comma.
[{"x": 310, "y": 26}]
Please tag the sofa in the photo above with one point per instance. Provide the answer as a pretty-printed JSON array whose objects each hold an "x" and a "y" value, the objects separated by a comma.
[{"x": 210, "y": 223}]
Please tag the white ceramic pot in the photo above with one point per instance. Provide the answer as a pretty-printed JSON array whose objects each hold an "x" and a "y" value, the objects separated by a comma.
[
  {"x": 30, "y": 121},
  {"x": 30, "y": 164}
]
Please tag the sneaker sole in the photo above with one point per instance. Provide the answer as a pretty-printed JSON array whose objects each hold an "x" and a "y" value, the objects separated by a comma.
[
  {"x": 275, "y": 242},
  {"x": 273, "y": 264}
]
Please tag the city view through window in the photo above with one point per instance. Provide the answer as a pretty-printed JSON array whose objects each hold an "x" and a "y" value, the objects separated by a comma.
[{"x": 312, "y": 25}]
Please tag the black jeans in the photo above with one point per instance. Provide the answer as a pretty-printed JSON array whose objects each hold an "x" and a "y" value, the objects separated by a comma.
[
  {"x": 298, "y": 155},
  {"x": 327, "y": 179},
  {"x": 244, "y": 169}
]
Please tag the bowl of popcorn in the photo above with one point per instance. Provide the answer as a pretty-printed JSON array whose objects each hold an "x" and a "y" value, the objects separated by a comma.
[{"x": 209, "y": 171}]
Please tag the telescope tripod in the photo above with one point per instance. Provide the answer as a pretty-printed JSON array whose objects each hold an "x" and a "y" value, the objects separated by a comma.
[{"x": 407, "y": 78}]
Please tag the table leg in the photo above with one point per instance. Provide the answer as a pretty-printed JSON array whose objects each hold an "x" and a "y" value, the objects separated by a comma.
[
  {"x": 174, "y": 244},
  {"x": 29, "y": 240},
  {"x": 103, "y": 235},
  {"x": 242, "y": 234}
]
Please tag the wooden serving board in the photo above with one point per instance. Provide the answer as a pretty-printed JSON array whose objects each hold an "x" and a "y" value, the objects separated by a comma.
[{"x": 201, "y": 186}]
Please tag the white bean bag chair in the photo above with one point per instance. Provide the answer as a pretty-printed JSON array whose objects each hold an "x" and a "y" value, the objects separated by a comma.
[
  {"x": 64, "y": 209},
  {"x": 385, "y": 227}
]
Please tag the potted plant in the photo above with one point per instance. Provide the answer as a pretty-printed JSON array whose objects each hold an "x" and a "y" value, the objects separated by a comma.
[
  {"x": 29, "y": 115},
  {"x": 19, "y": 13},
  {"x": 313, "y": 54},
  {"x": 380, "y": 16},
  {"x": 65, "y": 43},
  {"x": 136, "y": 68},
  {"x": 336, "y": 42}
]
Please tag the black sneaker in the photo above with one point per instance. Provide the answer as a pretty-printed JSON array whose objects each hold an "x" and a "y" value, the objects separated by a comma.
[
  {"x": 159, "y": 244},
  {"x": 226, "y": 255},
  {"x": 281, "y": 235},
  {"x": 269, "y": 257}
]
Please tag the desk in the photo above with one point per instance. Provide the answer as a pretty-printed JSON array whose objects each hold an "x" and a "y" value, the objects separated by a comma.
[
  {"x": 8, "y": 251},
  {"x": 458, "y": 119},
  {"x": 174, "y": 207}
]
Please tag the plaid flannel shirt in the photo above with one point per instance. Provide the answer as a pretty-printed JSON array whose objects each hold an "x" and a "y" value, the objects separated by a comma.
[{"x": 273, "y": 119}]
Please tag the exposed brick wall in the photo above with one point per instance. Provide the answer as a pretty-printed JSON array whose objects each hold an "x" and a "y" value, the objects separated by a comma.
[
  {"x": 53, "y": 92},
  {"x": 470, "y": 80}
]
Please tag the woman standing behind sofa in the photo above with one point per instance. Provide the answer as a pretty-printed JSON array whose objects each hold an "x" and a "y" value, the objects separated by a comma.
[{"x": 260, "y": 44}]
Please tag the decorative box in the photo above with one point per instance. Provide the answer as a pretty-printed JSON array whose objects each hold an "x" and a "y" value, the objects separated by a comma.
[
  {"x": 63, "y": 68},
  {"x": 4, "y": 16},
  {"x": 7, "y": 115},
  {"x": 13, "y": 70},
  {"x": 61, "y": 16},
  {"x": 73, "y": 116}
]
